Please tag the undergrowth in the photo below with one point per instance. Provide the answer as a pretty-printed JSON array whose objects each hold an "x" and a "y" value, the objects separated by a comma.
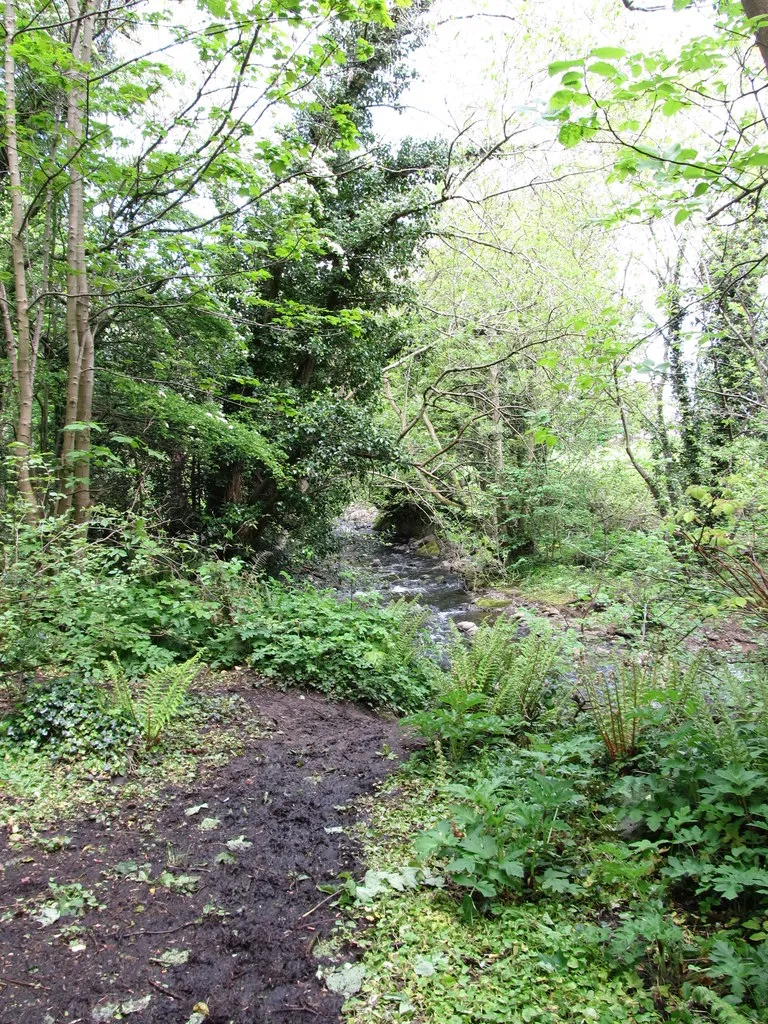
[
  {"x": 606, "y": 863},
  {"x": 79, "y": 603}
]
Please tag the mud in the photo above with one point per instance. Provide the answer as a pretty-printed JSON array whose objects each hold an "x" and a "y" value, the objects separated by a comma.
[{"x": 248, "y": 929}]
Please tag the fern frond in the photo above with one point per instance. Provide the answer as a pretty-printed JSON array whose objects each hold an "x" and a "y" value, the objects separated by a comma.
[
  {"x": 722, "y": 1011},
  {"x": 159, "y": 697}
]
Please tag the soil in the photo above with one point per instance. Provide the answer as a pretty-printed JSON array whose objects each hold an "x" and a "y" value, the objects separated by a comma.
[{"x": 249, "y": 928}]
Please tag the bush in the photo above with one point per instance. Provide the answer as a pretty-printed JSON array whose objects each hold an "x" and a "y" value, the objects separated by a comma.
[
  {"x": 345, "y": 649},
  {"x": 72, "y": 719},
  {"x": 71, "y": 598},
  {"x": 76, "y": 599},
  {"x": 700, "y": 798}
]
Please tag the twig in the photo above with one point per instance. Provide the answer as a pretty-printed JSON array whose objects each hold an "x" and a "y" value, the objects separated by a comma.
[
  {"x": 26, "y": 984},
  {"x": 164, "y": 990},
  {"x": 166, "y": 931},
  {"x": 320, "y": 904}
]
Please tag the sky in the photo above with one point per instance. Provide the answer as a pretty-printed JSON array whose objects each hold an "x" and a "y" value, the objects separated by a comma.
[{"x": 484, "y": 57}]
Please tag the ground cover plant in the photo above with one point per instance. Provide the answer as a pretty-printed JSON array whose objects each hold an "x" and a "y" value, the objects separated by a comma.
[{"x": 639, "y": 865}]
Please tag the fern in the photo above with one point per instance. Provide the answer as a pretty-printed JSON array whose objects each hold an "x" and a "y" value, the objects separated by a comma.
[
  {"x": 485, "y": 664},
  {"x": 614, "y": 699},
  {"x": 514, "y": 676},
  {"x": 408, "y": 642},
  {"x": 155, "y": 702},
  {"x": 523, "y": 694},
  {"x": 720, "y": 1010}
]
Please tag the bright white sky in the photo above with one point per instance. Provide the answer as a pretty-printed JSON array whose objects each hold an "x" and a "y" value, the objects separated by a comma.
[{"x": 485, "y": 56}]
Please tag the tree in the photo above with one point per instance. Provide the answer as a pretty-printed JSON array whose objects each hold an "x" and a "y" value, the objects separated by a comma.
[{"x": 94, "y": 157}]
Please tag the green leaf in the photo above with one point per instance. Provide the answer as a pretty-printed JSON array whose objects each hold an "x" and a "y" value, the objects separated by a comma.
[
  {"x": 346, "y": 980},
  {"x": 563, "y": 65},
  {"x": 609, "y": 52},
  {"x": 600, "y": 67},
  {"x": 560, "y": 99}
]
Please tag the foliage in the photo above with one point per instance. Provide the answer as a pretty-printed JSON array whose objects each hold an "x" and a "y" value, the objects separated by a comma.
[
  {"x": 627, "y": 100},
  {"x": 349, "y": 650},
  {"x": 660, "y": 859},
  {"x": 510, "y": 832},
  {"x": 703, "y": 795},
  {"x": 529, "y": 960},
  {"x": 75, "y": 599},
  {"x": 614, "y": 696},
  {"x": 497, "y": 685},
  {"x": 68, "y": 718},
  {"x": 154, "y": 702},
  {"x": 458, "y": 721}
]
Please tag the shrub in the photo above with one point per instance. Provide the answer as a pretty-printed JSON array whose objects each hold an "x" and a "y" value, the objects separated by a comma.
[
  {"x": 70, "y": 718},
  {"x": 369, "y": 653},
  {"x": 509, "y": 832},
  {"x": 701, "y": 793},
  {"x": 70, "y": 598},
  {"x": 81, "y": 599}
]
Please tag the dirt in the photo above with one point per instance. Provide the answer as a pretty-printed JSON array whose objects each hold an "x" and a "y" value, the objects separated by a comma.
[{"x": 248, "y": 929}]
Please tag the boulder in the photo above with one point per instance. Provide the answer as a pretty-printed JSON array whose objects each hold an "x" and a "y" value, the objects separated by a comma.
[{"x": 467, "y": 628}]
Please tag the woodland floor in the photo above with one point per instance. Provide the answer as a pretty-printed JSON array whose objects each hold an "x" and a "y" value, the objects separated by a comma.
[{"x": 245, "y": 929}]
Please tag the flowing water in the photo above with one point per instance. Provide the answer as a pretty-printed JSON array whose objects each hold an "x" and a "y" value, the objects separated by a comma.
[{"x": 368, "y": 562}]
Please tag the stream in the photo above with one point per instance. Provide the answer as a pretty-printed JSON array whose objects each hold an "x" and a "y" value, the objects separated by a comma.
[{"x": 369, "y": 562}]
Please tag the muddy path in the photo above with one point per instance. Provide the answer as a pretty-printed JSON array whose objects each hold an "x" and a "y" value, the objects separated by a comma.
[{"x": 209, "y": 897}]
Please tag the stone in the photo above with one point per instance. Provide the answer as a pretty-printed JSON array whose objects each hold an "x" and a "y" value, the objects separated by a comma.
[{"x": 467, "y": 628}]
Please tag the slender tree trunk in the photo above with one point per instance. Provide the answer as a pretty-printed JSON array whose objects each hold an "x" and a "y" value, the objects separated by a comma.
[
  {"x": 19, "y": 335},
  {"x": 759, "y": 9},
  {"x": 75, "y": 445},
  {"x": 497, "y": 437},
  {"x": 654, "y": 489},
  {"x": 666, "y": 457}
]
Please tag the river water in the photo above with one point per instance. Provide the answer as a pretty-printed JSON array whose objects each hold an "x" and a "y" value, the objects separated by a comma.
[{"x": 368, "y": 562}]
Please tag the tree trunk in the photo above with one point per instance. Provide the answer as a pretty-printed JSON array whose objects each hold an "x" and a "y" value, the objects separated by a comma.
[
  {"x": 759, "y": 9},
  {"x": 76, "y": 441},
  {"x": 497, "y": 437},
  {"x": 19, "y": 335},
  {"x": 653, "y": 488}
]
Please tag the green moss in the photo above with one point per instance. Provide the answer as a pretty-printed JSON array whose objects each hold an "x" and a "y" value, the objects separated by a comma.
[{"x": 431, "y": 549}]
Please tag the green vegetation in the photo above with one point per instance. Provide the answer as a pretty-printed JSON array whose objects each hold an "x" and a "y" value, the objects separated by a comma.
[
  {"x": 234, "y": 299},
  {"x": 571, "y": 879}
]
